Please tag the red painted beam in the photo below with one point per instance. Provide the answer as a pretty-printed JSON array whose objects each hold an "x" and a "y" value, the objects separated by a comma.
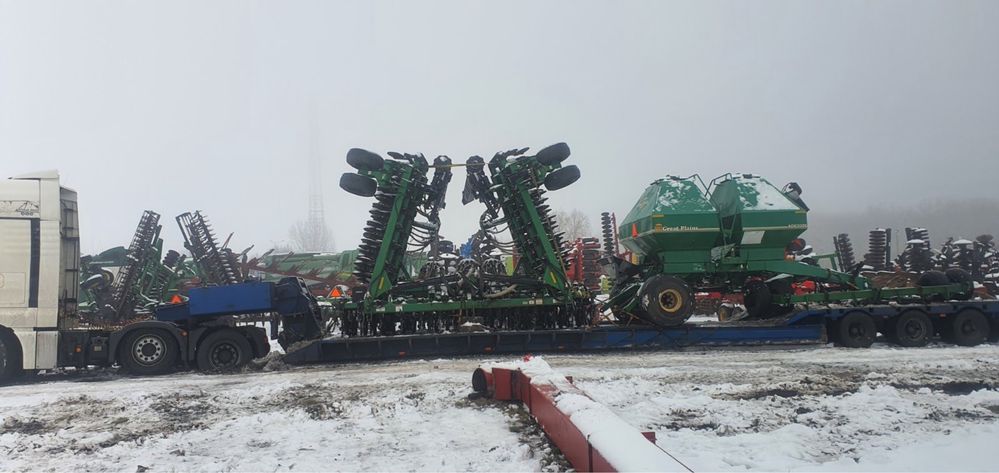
[{"x": 590, "y": 436}]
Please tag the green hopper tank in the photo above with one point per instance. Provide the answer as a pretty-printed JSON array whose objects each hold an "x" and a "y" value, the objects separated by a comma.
[{"x": 732, "y": 235}]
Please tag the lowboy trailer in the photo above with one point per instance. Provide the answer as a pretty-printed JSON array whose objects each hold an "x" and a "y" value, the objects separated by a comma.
[{"x": 960, "y": 322}]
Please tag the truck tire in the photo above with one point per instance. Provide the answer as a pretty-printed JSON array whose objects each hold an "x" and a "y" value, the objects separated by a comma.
[
  {"x": 10, "y": 356},
  {"x": 223, "y": 350},
  {"x": 855, "y": 330},
  {"x": 149, "y": 351},
  {"x": 967, "y": 328},
  {"x": 911, "y": 328},
  {"x": 666, "y": 300}
]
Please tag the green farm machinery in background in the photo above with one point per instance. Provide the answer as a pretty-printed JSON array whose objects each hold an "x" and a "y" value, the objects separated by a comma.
[{"x": 737, "y": 234}]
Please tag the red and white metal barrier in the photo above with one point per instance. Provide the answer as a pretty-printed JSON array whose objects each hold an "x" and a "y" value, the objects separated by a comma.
[{"x": 590, "y": 436}]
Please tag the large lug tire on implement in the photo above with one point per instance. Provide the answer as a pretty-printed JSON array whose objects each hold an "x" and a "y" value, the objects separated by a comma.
[
  {"x": 562, "y": 177},
  {"x": 911, "y": 328},
  {"x": 364, "y": 160},
  {"x": 357, "y": 184},
  {"x": 149, "y": 351},
  {"x": 553, "y": 154},
  {"x": 966, "y": 328},
  {"x": 855, "y": 330},
  {"x": 757, "y": 298},
  {"x": 960, "y": 276},
  {"x": 779, "y": 288},
  {"x": 932, "y": 278},
  {"x": 666, "y": 300},
  {"x": 223, "y": 350}
]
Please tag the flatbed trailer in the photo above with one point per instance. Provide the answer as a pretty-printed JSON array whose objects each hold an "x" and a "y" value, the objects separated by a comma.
[{"x": 815, "y": 325}]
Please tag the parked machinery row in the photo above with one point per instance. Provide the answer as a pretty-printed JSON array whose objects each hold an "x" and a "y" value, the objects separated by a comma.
[
  {"x": 978, "y": 257},
  {"x": 125, "y": 284}
]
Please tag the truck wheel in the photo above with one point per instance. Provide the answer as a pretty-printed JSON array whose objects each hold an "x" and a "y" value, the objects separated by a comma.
[
  {"x": 968, "y": 328},
  {"x": 149, "y": 351},
  {"x": 757, "y": 298},
  {"x": 10, "y": 357},
  {"x": 911, "y": 329},
  {"x": 223, "y": 350},
  {"x": 667, "y": 300},
  {"x": 855, "y": 330}
]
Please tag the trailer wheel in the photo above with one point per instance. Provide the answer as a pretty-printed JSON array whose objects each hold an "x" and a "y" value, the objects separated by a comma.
[
  {"x": 560, "y": 178},
  {"x": 223, "y": 350},
  {"x": 149, "y": 351},
  {"x": 364, "y": 160},
  {"x": 357, "y": 184},
  {"x": 855, "y": 330},
  {"x": 757, "y": 298},
  {"x": 967, "y": 328},
  {"x": 666, "y": 300},
  {"x": 912, "y": 328}
]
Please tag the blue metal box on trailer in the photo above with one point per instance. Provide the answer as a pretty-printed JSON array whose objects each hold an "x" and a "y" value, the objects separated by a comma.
[{"x": 235, "y": 299}]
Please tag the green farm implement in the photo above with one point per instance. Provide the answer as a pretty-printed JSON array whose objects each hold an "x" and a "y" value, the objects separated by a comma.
[{"x": 738, "y": 233}]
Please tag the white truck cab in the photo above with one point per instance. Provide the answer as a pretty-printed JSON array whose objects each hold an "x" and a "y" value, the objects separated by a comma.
[{"x": 39, "y": 269}]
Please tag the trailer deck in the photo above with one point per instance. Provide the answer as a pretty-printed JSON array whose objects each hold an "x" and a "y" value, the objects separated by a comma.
[
  {"x": 807, "y": 326},
  {"x": 602, "y": 338}
]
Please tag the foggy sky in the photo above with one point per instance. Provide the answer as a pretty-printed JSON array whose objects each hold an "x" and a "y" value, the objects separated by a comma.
[{"x": 178, "y": 106}]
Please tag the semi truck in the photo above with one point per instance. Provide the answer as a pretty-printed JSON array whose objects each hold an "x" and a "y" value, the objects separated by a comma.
[{"x": 216, "y": 328}]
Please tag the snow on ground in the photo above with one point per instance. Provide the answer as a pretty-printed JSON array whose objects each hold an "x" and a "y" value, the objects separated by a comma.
[{"x": 766, "y": 408}]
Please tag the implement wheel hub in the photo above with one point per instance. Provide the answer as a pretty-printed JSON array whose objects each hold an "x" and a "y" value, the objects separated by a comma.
[{"x": 670, "y": 300}]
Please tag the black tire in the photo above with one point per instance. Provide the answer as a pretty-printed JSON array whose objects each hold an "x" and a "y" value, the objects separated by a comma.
[
  {"x": 967, "y": 328},
  {"x": 911, "y": 328},
  {"x": 553, "y": 154},
  {"x": 364, "y": 160},
  {"x": 855, "y": 330},
  {"x": 223, "y": 350},
  {"x": 357, "y": 184},
  {"x": 10, "y": 357},
  {"x": 756, "y": 297},
  {"x": 779, "y": 288},
  {"x": 666, "y": 300},
  {"x": 960, "y": 276},
  {"x": 562, "y": 177},
  {"x": 932, "y": 278},
  {"x": 148, "y": 351}
]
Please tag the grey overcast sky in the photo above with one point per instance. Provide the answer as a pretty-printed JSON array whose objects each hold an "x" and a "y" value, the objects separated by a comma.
[{"x": 175, "y": 106}]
